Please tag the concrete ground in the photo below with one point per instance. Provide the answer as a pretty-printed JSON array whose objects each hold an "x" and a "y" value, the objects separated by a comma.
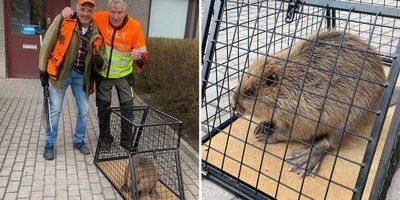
[{"x": 24, "y": 174}]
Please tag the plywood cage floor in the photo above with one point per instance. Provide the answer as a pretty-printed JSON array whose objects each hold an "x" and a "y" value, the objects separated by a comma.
[
  {"x": 345, "y": 173},
  {"x": 114, "y": 170}
]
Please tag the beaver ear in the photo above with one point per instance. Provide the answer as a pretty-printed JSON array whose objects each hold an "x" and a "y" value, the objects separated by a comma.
[{"x": 271, "y": 80}]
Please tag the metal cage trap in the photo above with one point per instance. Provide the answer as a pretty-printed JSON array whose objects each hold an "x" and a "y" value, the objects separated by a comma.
[
  {"x": 303, "y": 85},
  {"x": 146, "y": 164}
]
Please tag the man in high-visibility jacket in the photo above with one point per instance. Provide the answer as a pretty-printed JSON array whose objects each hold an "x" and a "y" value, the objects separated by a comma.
[
  {"x": 125, "y": 47},
  {"x": 65, "y": 59}
]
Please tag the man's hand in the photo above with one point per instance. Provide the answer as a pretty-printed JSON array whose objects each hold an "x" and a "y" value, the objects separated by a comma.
[
  {"x": 139, "y": 58},
  {"x": 92, "y": 87},
  {"x": 136, "y": 55},
  {"x": 44, "y": 79},
  {"x": 67, "y": 12},
  {"x": 97, "y": 61}
]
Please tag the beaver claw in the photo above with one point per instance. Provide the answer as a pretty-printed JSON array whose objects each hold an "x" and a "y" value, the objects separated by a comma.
[
  {"x": 263, "y": 133},
  {"x": 260, "y": 132},
  {"x": 298, "y": 161}
]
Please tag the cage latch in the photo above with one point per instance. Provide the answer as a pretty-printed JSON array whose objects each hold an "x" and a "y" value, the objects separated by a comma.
[{"x": 294, "y": 6}]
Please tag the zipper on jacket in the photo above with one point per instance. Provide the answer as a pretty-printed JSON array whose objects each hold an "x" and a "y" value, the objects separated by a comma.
[{"x": 112, "y": 48}]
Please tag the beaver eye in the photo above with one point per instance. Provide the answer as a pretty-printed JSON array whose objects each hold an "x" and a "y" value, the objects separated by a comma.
[
  {"x": 249, "y": 92},
  {"x": 271, "y": 80}
]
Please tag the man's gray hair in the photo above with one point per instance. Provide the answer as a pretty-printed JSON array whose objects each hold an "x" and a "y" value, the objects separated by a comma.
[{"x": 117, "y": 2}]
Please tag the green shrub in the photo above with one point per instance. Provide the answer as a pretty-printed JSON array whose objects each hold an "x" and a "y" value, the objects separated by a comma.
[{"x": 170, "y": 82}]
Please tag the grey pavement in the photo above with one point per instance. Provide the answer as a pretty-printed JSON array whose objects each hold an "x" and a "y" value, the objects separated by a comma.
[
  {"x": 24, "y": 174},
  {"x": 212, "y": 191}
]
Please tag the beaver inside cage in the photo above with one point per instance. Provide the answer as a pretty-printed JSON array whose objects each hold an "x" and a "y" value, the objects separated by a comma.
[
  {"x": 319, "y": 96},
  {"x": 147, "y": 165},
  {"x": 293, "y": 104},
  {"x": 144, "y": 176}
]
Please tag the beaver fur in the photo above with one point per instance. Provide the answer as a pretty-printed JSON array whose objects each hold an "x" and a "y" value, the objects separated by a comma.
[
  {"x": 306, "y": 92},
  {"x": 146, "y": 178}
]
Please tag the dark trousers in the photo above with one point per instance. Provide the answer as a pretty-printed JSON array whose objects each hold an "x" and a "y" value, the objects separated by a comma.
[{"x": 103, "y": 102}]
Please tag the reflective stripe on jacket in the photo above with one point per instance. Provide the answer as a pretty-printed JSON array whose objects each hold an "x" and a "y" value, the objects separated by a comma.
[{"x": 119, "y": 43}]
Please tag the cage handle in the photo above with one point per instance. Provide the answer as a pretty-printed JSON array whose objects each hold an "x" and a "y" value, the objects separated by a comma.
[{"x": 293, "y": 8}]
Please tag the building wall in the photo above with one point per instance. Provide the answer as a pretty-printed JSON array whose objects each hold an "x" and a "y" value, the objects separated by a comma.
[
  {"x": 192, "y": 23},
  {"x": 2, "y": 42},
  {"x": 139, "y": 9}
]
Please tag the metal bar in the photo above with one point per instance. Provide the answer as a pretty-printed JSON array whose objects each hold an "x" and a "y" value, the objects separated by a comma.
[
  {"x": 333, "y": 19},
  {"x": 355, "y": 7},
  {"x": 237, "y": 187},
  {"x": 180, "y": 178},
  {"x": 328, "y": 18},
  {"x": 390, "y": 139},
  {"x": 375, "y": 133},
  {"x": 138, "y": 134},
  {"x": 158, "y": 150},
  {"x": 134, "y": 178},
  {"x": 392, "y": 168},
  {"x": 206, "y": 26},
  {"x": 173, "y": 121},
  {"x": 211, "y": 47},
  {"x": 109, "y": 158}
]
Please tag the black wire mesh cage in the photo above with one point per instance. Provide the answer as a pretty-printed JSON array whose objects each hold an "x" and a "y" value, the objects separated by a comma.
[
  {"x": 305, "y": 86},
  {"x": 145, "y": 164}
]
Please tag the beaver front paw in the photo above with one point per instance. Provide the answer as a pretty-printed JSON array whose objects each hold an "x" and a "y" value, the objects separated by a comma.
[
  {"x": 298, "y": 161},
  {"x": 264, "y": 133}
]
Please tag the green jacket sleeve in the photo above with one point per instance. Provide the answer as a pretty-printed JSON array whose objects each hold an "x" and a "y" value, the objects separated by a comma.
[{"x": 49, "y": 42}]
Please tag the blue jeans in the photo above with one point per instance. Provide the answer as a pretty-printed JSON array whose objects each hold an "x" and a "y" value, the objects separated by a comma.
[{"x": 76, "y": 81}]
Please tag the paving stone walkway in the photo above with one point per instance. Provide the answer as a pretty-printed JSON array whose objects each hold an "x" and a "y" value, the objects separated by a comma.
[{"x": 24, "y": 174}]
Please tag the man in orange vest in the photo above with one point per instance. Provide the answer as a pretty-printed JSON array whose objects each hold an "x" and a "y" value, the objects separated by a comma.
[
  {"x": 125, "y": 48},
  {"x": 65, "y": 59}
]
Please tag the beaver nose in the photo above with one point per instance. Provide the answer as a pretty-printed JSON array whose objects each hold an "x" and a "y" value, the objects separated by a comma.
[
  {"x": 232, "y": 104},
  {"x": 236, "y": 106},
  {"x": 233, "y": 99}
]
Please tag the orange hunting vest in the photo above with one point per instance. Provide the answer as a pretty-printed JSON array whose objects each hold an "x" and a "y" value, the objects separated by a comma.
[
  {"x": 64, "y": 38},
  {"x": 119, "y": 44}
]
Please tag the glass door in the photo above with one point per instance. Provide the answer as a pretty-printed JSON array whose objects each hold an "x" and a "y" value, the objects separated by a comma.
[
  {"x": 27, "y": 17},
  {"x": 26, "y": 20}
]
